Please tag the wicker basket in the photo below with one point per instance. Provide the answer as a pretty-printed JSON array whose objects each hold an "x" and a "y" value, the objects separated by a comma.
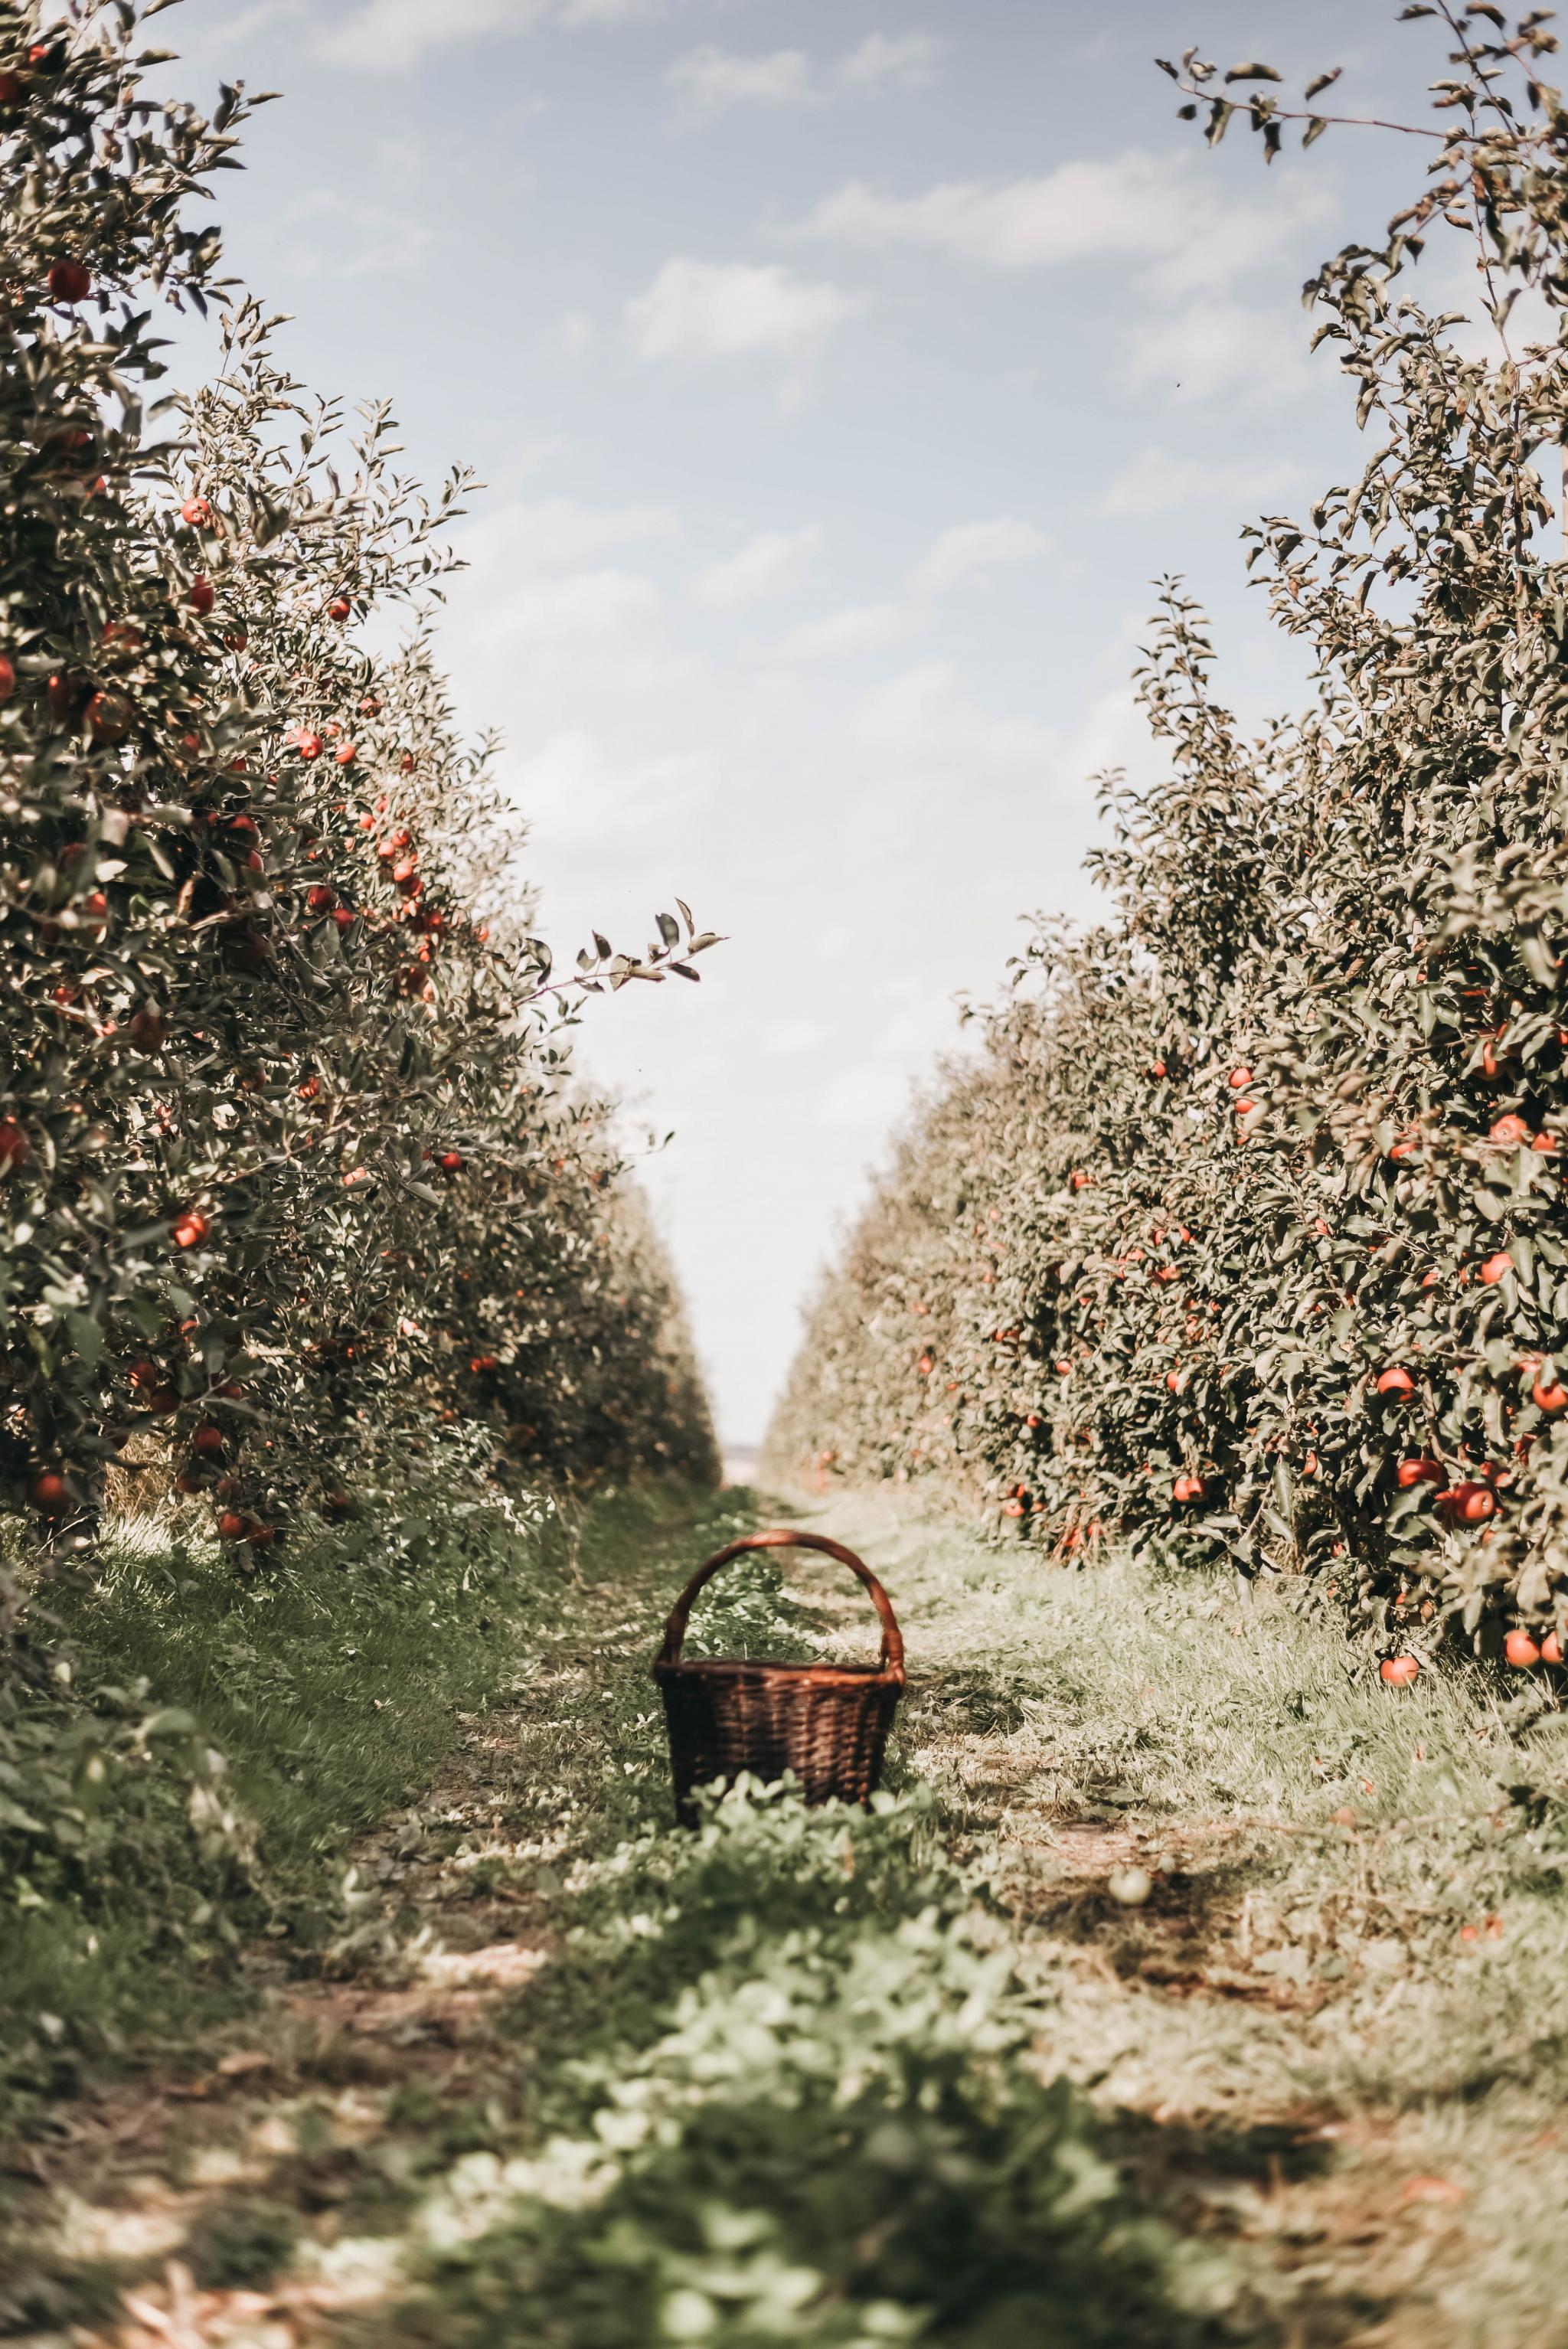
[{"x": 826, "y": 1723}]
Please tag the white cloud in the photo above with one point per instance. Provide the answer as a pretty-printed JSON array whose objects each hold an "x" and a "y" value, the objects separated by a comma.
[
  {"x": 714, "y": 82},
  {"x": 696, "y": 311},
  {"x": 356, "y": 240},
  {"x": 787, "y": 1037},
  {"x": 891, "y": 57},
  {"x": 1156, "y": 482},
  {"x": 535, "y": 578},
  {"x": 557, "y": 535},
  {"x": 766, "y": 562},
  {"x": 862, "y": 1099},
  {"x": 1156, "y": 209},
  {"x": 576, "y": 794},
  {"x": 242, "y": 23},
  {"x": 613, "y": 12},
  {"x": 1113, "y": 733},
  {"x": 862, "y": 629},
  {"x": 573, "y": 333},
  {"x": 391, "y": 36},
  {"x": 557, "y": 611},
  {"x": 1208, "y": 347},
  {"x": 971, "y": 549},
  {"x": 922, "y": 717}
]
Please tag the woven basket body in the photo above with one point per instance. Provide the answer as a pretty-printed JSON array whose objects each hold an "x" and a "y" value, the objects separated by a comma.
[{"x": 826, "y": 1723}]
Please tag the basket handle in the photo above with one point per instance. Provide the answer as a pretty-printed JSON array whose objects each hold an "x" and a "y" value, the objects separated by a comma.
[{"x": 785, "y": 1537}]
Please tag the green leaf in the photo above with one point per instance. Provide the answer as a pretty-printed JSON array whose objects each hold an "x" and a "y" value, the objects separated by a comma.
[
  {"x": 86, "y": 1336},
  {"x": 171, "y": 1721}
]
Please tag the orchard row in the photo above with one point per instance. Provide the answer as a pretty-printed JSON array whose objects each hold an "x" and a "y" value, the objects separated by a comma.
[
  {"x": 1247, "y": 1236},
  {"x": 294, "y": 1178}
]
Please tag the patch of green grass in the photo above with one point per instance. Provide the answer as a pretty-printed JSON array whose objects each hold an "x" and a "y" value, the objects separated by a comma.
[
  {"x": 1381, "y": 1992},
  {"x": 842, "y": 2081},
  {"x": 241, "y": 2247},
  {"x": 305, "y": 1704},
  {"x": 786, "y": 2094}
]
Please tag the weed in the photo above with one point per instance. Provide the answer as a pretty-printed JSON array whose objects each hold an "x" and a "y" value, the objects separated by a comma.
[{"x": 242, "y": 2245}]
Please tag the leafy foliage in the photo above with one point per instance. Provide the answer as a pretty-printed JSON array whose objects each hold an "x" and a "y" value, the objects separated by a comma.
[
  {"x": 1246, "y": 1236},
  {"x": 807, "y": 2114},
  {"x": 295, "y": 1172}
]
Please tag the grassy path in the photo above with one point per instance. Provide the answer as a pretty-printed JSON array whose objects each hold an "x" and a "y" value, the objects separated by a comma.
[
  {"x": 1334, "y": 2031},
  {"x": 576, "y": 2081}
]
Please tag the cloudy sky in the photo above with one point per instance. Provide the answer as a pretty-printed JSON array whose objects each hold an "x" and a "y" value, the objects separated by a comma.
[{"x": 842, "y": 371}]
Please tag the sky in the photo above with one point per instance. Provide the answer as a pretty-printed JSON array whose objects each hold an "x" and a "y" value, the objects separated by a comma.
[{"x": 841, "y": 373}]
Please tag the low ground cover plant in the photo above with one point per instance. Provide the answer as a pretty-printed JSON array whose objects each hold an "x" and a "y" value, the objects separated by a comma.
[
  {"x": 784, "y": 2084},
  {"x": 1244, "y": 1237},
  {"x": 809, "y": 2113}
]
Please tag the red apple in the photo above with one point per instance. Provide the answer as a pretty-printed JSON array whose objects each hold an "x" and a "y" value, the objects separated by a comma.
[
  {"x": 108, "y": 716},
  {"x": 1471, "y": 1502}
]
